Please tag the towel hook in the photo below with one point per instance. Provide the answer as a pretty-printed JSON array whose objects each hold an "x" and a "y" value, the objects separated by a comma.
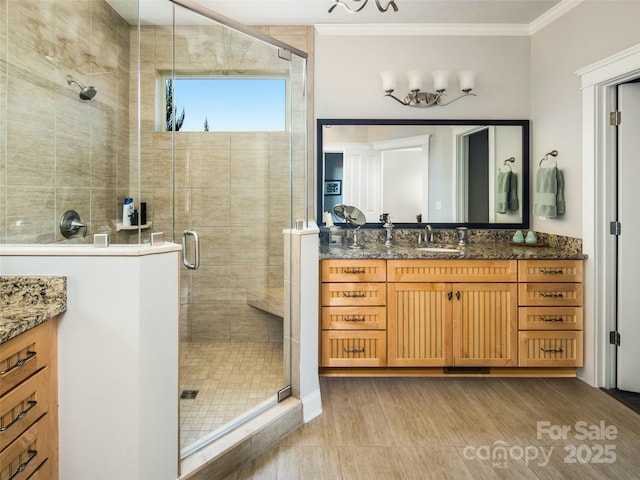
[
  {"x": 510, "y": 159},
  {"x": 553, "y": 153}
]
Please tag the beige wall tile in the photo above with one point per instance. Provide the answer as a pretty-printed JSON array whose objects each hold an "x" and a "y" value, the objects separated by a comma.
[
  {"x": 73, "y": 161},
  {"x": 31, "y": 38},
  {"x": 30, "y": 155},
  {"x": 54, "y": 138},
  {"x": 27, "y": 223}
]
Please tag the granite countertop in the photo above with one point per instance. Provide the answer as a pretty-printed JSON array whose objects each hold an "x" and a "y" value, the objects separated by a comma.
[
  {"x": 477, "y": 251},
  {"x": 26, "y": 302}
]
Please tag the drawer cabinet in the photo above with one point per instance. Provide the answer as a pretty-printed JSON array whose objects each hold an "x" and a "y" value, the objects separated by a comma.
[
  {"x": 550, "y": 315},
  {"x": 351, "y": 348},
  {"x": 550, "y": 349},
  {"x": 28, "y": 404},
  {"x": 427, "y": 314},
  {"x": 353, "y": 313}
]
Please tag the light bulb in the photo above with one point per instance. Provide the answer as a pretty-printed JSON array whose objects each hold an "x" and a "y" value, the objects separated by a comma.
[
  {"x": 415, "y": 80},
  {"x": 440, "y": 80},
  {"x": 388, "y": 80},
  {"x": 466, "y": 78}
]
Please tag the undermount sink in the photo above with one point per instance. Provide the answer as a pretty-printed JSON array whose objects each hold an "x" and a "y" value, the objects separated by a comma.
[{"x": 440, "y": 249}]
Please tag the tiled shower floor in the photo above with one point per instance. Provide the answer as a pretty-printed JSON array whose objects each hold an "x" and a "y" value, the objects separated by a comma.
[{"x": 231, "y": 378}]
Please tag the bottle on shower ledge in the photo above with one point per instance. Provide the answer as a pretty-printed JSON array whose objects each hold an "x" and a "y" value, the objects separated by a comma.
[{"x": 127, "y": 211}]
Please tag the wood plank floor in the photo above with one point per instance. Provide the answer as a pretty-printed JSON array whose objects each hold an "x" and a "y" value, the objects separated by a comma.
[{"x": 453, "y": 428}]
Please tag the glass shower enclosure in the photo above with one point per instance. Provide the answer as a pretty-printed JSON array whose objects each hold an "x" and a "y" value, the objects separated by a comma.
[
  {"x": 236, "y": 187},
  {"x": 65, "y": 148}
]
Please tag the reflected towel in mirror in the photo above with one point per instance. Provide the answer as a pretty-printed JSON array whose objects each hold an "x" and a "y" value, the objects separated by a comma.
[{"x": 506, "y": 192}]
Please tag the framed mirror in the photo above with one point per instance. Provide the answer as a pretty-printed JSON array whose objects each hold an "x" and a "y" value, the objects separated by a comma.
[{"x": 445, "y": 173}]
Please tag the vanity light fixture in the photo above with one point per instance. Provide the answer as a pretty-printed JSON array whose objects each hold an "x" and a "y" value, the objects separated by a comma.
[
  {"x": 390, "y": 3},
  {"x": 417, "y": 98}
]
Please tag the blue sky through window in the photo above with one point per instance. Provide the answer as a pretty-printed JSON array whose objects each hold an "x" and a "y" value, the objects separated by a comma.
[{"x": 231, "y": 104}]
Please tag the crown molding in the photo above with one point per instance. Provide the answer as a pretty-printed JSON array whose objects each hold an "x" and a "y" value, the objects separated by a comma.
[
  {"x": 552, "y": 15},
  {"x": 422, "y": 29},
  {"x": 448, "y": 29}
]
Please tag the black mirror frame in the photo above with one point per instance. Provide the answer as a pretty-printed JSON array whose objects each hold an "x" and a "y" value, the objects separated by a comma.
[{"x": 525, "y": 200}]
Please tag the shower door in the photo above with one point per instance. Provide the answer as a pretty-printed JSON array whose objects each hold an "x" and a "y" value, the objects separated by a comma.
[{"x": 235, "y": 185}]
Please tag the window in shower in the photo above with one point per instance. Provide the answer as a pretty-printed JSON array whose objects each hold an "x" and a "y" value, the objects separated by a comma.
[{"x": 225, "y": 104}]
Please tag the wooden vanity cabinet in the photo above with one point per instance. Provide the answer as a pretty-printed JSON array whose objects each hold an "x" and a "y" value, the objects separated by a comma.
[
  {"x": 353, "y": 313},
  {"x": 550, "y": 315},
  {"x": 28, "y": 404},
  {"x": 452, "y": 313}
]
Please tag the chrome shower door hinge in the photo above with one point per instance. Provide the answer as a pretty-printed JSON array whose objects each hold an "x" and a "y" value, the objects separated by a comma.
[{"x": 283, "y": 393}]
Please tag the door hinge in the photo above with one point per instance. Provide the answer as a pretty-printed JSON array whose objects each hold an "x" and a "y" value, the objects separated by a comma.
[
  {"x": 614, "y": 338},
  {"x": 615, "y": 118},
  {"x": 284, "y": 392},
  {"x": 615, "y": 228}
]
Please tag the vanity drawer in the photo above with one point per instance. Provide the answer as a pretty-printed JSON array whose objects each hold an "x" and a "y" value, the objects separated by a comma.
[
  {"x": 354, "y": 270},
  {"x": 354, "y": 318},
  {"x": 22, "y": 406},
  {"x": 452, "y": 271},
  {"x": 550, "y": 349},
  {"x": 550, "y": 318},
  {"x": 23, "y": 457},
  {"x": 349, "y": 348},
  {"x": 550, "y": 270},
  {"x": 550, "y": 294},
  {"x": 24, "y": 355},
  {"x": 354, "y": 294}
]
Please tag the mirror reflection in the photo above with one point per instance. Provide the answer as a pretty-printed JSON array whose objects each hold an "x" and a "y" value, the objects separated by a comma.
[{"x": 460, "y": 172}]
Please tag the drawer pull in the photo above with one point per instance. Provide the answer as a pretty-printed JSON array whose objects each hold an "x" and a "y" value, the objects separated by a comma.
[
  {"x": 354, "y": 319},
  {"x": 552, "y": 294},
  {"x": 20, "y": 416},
  {"x": 19, "y": 363},
  {"x": 354, "y": 294},
  {"x": 353, "y": 271},
  {"x": 354, "y": 350},
  {"x": 551, "y": 350},
  {"x": 549, "y": 271},
  {"x": 23, "y": 466},
  {"x": 550, "y": 319}
]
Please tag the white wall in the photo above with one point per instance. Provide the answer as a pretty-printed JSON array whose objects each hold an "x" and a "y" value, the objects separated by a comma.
[
  {"x": 591, "y": 31},
  {"x": 117, "y": 360},
  {"x": 348, "y": 85}
]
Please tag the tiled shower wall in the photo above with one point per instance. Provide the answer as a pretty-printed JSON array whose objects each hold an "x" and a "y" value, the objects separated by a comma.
[
  {"x": 232, "y": 188},
  {"x": 58, "y": 152}
]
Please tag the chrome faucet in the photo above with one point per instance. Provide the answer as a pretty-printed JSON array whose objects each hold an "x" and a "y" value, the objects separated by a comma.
[
  {"x": 388, "y": 226},
  {"x": 428, "y": 235}
]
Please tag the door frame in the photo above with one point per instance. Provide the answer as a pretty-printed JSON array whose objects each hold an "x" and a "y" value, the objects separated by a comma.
[{"x": 598, "y": 176}]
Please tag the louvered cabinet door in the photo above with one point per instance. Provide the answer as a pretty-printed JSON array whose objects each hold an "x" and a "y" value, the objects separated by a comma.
[
  {"x": 419, "y": 324},
  {"x": 485, "y": 324}
]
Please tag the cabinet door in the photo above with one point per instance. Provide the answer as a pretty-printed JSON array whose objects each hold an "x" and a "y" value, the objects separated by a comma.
[
  {"x": 419, "y": 324},
  {"x": 485, "y": 324}
]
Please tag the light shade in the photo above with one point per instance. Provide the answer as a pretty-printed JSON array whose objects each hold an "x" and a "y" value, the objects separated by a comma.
[
  {"x": 415, "y": 80},
  {"x": 466, "y": 78},
  {"x": 440, "y": 80},
  {"x": 388, "y": 80}
]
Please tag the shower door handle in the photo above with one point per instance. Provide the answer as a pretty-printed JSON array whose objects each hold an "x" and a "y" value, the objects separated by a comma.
[{"x": 196, "y": 249}]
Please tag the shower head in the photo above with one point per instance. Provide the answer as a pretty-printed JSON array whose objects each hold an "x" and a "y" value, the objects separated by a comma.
[{"x": 86, "y": 93}]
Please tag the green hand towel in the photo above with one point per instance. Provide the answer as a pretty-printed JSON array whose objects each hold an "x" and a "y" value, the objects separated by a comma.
[
  {"x": 513, "y": 203},
  {"x": 502, "y": 191},
  {"x": 549, "y": 196},
  {"x": 560, "y": 194}
]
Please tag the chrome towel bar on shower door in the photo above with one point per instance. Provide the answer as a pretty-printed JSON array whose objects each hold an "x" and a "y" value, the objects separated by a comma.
[{"x": 196, "y": 249}]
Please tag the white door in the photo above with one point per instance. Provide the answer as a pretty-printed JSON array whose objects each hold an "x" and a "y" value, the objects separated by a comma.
[
  {"x": 361, "y": 183},
  {"x": 628, "y": 377}
]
